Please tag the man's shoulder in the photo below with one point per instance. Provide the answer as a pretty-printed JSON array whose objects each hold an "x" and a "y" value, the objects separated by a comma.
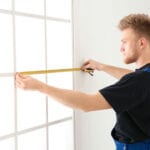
[{"x": 137, "y": 76}]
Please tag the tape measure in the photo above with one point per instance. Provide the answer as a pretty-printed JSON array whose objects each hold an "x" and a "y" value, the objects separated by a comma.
[
  {"x": 88, "y": 70},
  {"x": 49, "y": 71}
]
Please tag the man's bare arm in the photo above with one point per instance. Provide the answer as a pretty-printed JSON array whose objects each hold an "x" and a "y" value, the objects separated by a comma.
[
  {"x": 71, "y": 98},
  {"x": 116, "y": 72}
]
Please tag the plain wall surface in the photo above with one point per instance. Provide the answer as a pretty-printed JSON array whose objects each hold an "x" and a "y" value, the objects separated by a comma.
[{"x": 96, "y": 37}]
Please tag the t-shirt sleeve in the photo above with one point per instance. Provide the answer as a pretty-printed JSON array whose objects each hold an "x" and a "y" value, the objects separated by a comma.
[{"x": 124, "y": 94}]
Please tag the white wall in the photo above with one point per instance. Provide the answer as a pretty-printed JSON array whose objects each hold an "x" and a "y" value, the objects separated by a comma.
[{"x": 96, "y": 36}]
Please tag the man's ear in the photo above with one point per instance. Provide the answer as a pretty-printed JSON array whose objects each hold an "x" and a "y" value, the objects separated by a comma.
[{"x": 142, "y": 42}]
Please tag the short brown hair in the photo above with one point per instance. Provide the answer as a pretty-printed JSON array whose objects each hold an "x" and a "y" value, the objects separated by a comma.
[{"x": 140, "y": 23}]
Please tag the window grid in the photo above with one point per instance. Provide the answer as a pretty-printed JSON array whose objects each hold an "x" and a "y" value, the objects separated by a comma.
[
  {"x": 16, "y": 133},
  {"x": 46, "y": 77},
  {"x": 17, "y": 13},
  {"x": 15, "y": 92}
]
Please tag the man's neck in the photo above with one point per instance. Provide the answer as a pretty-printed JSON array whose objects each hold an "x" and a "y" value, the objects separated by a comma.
[
  {"x": 144, "y": 57},
  {"x": 141, "y": 63}
]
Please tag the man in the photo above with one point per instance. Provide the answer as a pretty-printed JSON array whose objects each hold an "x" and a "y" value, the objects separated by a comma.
[{"x": 129, "y": 97}]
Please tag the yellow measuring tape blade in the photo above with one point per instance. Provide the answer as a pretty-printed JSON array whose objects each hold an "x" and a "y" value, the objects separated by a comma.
[
  {"x": 49, "y": 71},
  {"x": 88, "y": 70}
]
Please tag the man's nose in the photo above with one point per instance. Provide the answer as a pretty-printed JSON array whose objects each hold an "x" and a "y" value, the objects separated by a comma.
[{"x": 121, "y": 49}]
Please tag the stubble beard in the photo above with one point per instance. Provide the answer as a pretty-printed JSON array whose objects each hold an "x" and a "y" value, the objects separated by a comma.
[{"x": 130, "y": 60}]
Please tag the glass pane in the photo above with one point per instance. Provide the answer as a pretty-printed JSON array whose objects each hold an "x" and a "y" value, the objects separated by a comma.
[
  {"x": 30, "y": 56},
  {"x": 5, "y": 4},
  {"x": 61, "y": 137},
  {"x": 6, "y": 44},
  {"x": 35, "y": 140},
  {"x": 30, "y": 44},
  {"x": 57, "y": 110},
  {"x": 7, "y": 144},
  {"x": 59, "y": 42},
  {"x": 59, "y": 8},
  {"x": 31, "y": 108},
  {"x": 6, "y": 105},
  {"x": 30, "y": 6},
  {"x": 61, "y": 80}
]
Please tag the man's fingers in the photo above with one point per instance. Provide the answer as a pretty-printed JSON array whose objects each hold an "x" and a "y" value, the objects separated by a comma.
[{"x": 20, "y": 76}]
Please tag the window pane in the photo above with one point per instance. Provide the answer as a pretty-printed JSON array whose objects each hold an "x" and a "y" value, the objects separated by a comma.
[
  {"x": 30, "y": 44},
  {"x": 6, "y": 56},
  {"x": 6, "y": 105},
  {"x": 59, "y": 44},
  {"x": 57, "y": 110},
  {"x": 61, "y": 137},
  {"x": 5, "y": 4},
  {"x": 35, "y": 140},
  {"x": 30, "y": 6},
  {"x": 31, "y": 108},
  {"x": 61, "y": 80},
  {"x": 30, "y": 56},
  {"x": 7, "y": 144},
  {"x": 59, "y": 8}
]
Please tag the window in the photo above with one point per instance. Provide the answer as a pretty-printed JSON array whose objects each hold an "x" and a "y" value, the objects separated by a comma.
[{"x": 35, "y": 35}]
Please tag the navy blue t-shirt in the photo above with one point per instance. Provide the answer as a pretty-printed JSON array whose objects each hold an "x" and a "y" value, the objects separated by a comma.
[{"x": 130, "y": 98}]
